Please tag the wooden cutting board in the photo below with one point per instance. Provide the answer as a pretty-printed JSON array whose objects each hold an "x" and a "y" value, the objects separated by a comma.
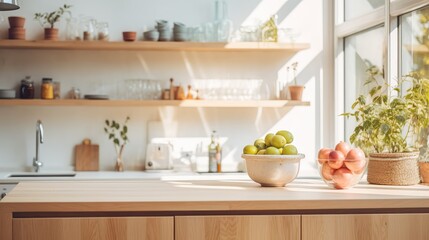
[{"x": 86, "y": 156}]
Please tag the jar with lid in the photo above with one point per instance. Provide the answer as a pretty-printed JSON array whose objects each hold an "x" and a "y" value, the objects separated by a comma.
[
  {"x": 26, "y": 90},
  {"x": 47, "y": 88}
]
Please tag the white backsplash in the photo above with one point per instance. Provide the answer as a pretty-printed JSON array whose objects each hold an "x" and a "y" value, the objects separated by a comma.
[{"x": 103, "y": 71}]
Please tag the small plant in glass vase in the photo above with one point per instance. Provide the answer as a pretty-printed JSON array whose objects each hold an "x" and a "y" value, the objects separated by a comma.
[
  {"x": 295, "y": 90},
  {"x": 112, "y": 128},
  {"x": 48, "y": 20},
  {"x": 389, "y": 124}
]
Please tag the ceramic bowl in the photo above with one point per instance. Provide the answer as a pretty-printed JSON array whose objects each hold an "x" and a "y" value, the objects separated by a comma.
[
  {"x": 7, "y": 93},
  {"x": 151, "y": 35},
  {"x": 342, "y": 175},
  {"x": 273, "y": 170},
  {"x": 129, "y": 36}
]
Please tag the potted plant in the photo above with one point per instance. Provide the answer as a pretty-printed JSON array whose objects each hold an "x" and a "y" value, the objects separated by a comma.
[
  {"x": 389, "y": 124},
  {"x": 295, "y": 90},
  {"x": 48, "y": 20},
  {"x": 111, "y": 129}
]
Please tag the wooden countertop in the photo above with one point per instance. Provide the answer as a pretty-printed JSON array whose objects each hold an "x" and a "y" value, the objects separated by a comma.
[
  {"x": 201, "y": 197},
  {"x": 208, "y": 195}
]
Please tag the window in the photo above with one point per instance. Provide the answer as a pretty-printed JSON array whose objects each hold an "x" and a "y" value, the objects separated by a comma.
[
  {"x": 356, "y": 8},
  {"x": 359, "y": 57},
  {"x": 361, "y": 39},
  {"x": 415, "y": 47},
  {"x": 415, "y": 42}
]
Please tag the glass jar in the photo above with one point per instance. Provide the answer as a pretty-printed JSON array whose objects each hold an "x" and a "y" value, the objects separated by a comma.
[
  {"x": 103, "y": 31},
  {"x": 27, "y": 89},
  {"x": 47, "y": 89}
]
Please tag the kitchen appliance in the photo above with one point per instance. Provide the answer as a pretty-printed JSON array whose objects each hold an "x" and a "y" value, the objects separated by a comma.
[{"x": 159, "y": 157}]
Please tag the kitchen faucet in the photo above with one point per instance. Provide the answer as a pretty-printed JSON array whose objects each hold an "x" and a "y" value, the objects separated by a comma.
[{"x": 39, "y": 138}]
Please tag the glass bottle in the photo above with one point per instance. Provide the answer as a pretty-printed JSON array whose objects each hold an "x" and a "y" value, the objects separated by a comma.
[
  {"x": 72, "y": 29},
  {"x": 47, "y": 89},
  {"x": 218, "y": 157},
  {"x": 212, "y": 154},
  {"x": 223, "y": 26}
]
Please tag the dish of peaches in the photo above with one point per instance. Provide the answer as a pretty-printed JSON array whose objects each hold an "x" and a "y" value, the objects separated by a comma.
[{"x": 342, "y": 167}]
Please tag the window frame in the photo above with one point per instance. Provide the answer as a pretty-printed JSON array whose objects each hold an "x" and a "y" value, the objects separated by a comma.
[{"x": 388, "y": 14}]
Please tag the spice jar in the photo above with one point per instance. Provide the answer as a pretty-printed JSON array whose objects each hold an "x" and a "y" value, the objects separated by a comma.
[
  {"x": 27, "y": 89},
  {"x": 47, "y": 88}
]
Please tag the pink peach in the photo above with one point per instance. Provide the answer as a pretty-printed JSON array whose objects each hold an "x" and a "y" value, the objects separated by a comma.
[
  {"x": 327, "y": 171},
  {"x": 356, "y": 166},
  {"x": 336, "y": 159},
  {"x": 355, "y": 154},
  {"x": 342, "y": 178},
  {"x": 343, "y": 147}
]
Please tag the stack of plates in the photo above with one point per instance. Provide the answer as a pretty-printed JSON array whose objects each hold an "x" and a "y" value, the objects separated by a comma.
[
  {"x": 7, "y": 93},
  {"x": 96, "y": 96},
  {"x": 179, "y": 32}
]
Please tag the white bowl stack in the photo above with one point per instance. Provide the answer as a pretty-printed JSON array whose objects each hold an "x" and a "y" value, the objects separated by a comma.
[
  {"x": 164, "y": 30},
  {"x": 179, "y": 32}
]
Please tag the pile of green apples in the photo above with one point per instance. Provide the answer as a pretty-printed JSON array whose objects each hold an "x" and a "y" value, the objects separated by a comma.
[{"x": 273, "y": 144}]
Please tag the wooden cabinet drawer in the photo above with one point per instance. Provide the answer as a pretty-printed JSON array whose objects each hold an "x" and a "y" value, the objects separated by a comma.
[
  {"x": 365, "y": 226},
  {"x": 238, "y": 227},
  {"x": 94, "y": 228}
]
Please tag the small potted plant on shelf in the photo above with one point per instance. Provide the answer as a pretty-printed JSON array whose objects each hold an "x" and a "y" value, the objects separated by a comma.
[
  {"x": 111, "y": 129},
  {"x": 48, "y": 20},
  {"x": 295, "y": 90},
  {"x": 389, "y": 123}
]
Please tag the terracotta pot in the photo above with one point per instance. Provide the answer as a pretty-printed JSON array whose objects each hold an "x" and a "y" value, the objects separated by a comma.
[
  {"x": 296, "y": 92},
  {"x": 16, "y": 22},
  {"x": 129, "y": 36},
  {"x": 424, "y": 171},
  {"x": 51, "y": 33},
  {"x": 17, "y": 33}
]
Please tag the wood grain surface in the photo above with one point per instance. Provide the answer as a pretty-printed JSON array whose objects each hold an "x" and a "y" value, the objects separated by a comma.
[
  {"x": 126, "y": 228},
  {"x": 366, "y": 227},
  {"x": 87, "y": 157},
  {"x": 238, "y": 227}
]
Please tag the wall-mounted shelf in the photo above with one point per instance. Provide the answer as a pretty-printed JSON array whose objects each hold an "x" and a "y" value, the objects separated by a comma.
[
  {"x": 154, "y": 103},
  {"x": 154, "y": 46}
]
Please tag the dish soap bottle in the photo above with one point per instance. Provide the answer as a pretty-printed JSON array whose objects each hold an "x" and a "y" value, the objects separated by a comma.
[{"x": 212, "y": 154}]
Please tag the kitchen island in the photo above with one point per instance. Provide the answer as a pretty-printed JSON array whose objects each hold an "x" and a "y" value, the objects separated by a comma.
[{"x": 212, "y": 209}]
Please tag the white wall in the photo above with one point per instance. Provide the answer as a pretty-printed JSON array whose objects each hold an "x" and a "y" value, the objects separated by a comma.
[{"x": 67, "y": 126}]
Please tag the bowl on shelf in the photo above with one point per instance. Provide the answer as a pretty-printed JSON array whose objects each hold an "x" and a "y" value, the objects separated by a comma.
[
  {"x": 272, "y": 170},
  {"x": 7, "y": 93},
  {"x": 129, "y": 36},
  {"x": 342, "y": 174}
]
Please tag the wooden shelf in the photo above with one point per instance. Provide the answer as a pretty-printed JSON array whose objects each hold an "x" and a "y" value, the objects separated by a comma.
[
  {"x": 154, "y": 103},
  {"x": 154, "y": 46}
]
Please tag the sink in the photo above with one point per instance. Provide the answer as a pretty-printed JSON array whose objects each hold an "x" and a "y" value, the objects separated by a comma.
[{"x": 31, "y": 175}]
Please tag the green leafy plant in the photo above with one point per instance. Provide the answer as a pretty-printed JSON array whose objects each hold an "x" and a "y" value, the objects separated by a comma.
[
  {"x": 118, "y": 135},
  {"x": 50, "y": 18},
  {"x": 389, "y": 115}
]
